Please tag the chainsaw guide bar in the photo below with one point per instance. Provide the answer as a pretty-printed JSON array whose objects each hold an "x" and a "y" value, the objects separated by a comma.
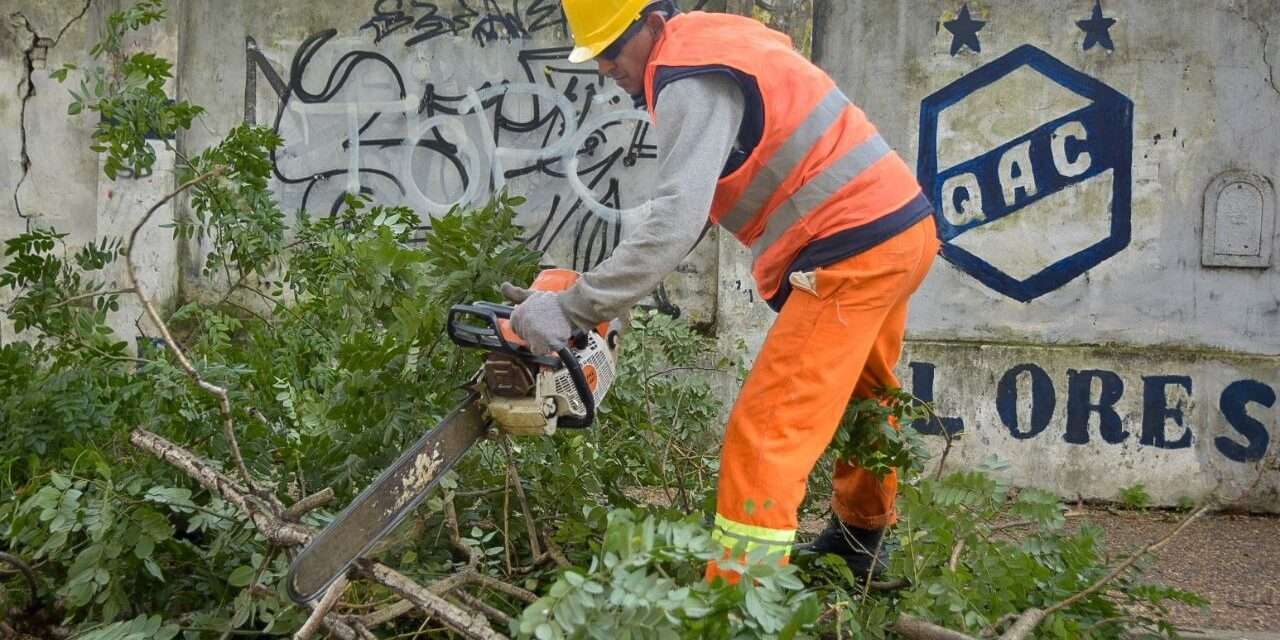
[{"x": 385, "y": 503}]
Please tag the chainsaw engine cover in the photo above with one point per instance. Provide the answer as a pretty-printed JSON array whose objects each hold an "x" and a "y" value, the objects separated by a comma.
[{"x": 528, "y": 400}]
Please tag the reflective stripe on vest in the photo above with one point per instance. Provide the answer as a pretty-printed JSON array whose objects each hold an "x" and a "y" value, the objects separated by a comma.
[
  {"x": 784, "y": 162},
  {"x": 819, "y": 189}
]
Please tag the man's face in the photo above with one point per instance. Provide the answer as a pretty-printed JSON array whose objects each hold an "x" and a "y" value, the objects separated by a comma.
[{"x": 627, "y": 69}]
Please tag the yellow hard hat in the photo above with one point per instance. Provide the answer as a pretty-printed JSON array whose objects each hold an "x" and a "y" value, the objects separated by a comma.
[{"x": 597, "y": 23}]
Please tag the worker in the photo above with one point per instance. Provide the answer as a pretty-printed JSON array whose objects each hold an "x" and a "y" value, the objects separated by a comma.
[{"x": 754, "y": 136}]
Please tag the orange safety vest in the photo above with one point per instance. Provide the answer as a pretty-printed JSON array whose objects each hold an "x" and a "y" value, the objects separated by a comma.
[{"x": 819, "y": 184}]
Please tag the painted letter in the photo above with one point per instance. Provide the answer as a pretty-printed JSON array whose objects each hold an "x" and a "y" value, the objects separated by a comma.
[
  {"x": 1080, "y": 404},
  {"x": 1233, "y": 404},
  {"x": 1018, "y": 158},
  {"x": 961, "y": 210},
  {"x": 922, "y": 387},
  {"x": 1067, "y": 168},
  {"x": 1156, "y": 411},
  {"x": 1042, "y": 401}
]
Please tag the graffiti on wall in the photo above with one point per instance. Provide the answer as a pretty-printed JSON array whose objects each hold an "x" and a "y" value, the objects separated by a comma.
[
  {"x": 434, "y": 108},
  {"x": 485, "y": 23},
  {"x": 1026, "y": 146},
  {"x": 1027, "y": 399}
]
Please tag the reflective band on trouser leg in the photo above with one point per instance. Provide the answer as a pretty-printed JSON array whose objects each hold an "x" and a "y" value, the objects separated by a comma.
[
  {"x": 747, "y": 538},
  {"x": 746, "y": 543},
  {"x": 802, "y": 380},
  {"x": 785, "y": 160},
  {"x": 819, "y": 190}
]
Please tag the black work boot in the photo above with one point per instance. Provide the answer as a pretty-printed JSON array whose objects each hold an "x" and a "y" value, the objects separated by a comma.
[{"x": 856, "y": 546}]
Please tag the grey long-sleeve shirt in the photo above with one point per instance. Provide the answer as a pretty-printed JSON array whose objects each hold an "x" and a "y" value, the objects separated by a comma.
[{"x": 697, "y": 126}]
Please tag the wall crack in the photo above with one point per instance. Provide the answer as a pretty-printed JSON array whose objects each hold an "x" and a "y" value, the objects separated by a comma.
[
  {"x": 1266, "y": 40},
  {"x": 34, "y": 55}
]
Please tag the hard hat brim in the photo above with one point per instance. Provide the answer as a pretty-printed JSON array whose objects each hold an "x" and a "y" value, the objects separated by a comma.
[{"x": 581, "y": 54}]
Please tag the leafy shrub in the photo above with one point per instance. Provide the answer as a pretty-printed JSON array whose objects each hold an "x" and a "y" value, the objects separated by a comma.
[{"x": 1135, "y": 497}]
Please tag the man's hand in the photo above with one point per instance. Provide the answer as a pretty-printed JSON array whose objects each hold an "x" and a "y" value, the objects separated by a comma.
[{"x": 538, "y": 319}]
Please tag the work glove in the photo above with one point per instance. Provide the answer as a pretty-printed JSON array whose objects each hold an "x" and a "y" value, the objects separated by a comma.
[{"x": 538, "y": 319}]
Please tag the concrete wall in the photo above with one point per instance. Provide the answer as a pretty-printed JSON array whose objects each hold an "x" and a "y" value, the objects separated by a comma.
[
  {"x": 435, "y": 105},
  {"x": 48, "y": 176},
  {"x": 1084, "y": 323}
]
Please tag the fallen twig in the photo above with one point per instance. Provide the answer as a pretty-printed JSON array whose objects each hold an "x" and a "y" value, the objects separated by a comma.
[
  {"x": 479, "y": 579},
  {"x": 919, "y": 629},
  {"x": 1026, "y": 622},
  {"x": 555, "y": 552},
  {"x": 86, "y": 296},
  {"x": 454, "y": 531},
  {"x": 466, "y": 624},
  {"x": 274, "y": 529},
  {"x": 489, "y": 611},
  {"x": 530, "y": 527},
  {"x": 331, "y": 621},
  {"x": 27, "y": 573},
  {"x": 386, "y": 614},
  {"x": 308, "y": 504},
  {"x": 224, "y": 400},
  {"x": 1031, "y": 618},
  {"x": 955, "y": 555},
  {"x": 1133, "y": 559},
  {"x": 321, "y": 609}
]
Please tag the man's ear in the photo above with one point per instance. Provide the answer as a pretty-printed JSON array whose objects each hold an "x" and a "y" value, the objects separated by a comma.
[{"x": 655, "y": 22}]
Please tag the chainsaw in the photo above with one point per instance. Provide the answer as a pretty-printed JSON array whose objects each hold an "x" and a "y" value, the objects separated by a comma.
[{"x": 516, "y": 392}]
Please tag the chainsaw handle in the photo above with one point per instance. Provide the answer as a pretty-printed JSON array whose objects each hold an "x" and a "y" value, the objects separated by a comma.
[
  {"x": 488, "y": 334},
  {"x": 570, "y": 362}
]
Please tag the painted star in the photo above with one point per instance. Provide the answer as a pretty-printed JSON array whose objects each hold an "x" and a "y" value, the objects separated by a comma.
[
  {"x": 964, "y": 30},
  {"x": 1096, "y": 29}
]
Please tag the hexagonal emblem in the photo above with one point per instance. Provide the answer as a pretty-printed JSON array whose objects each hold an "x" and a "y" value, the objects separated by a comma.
[{"x": 1028, "y": 163}]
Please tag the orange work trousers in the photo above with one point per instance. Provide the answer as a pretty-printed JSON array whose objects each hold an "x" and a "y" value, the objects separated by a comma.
[{"x": 838, "y": 336}]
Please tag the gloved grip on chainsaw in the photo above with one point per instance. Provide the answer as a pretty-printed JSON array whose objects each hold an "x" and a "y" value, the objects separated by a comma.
[
  {"x": 539, "y": 320},
  {"x": 514, "y": 294}
]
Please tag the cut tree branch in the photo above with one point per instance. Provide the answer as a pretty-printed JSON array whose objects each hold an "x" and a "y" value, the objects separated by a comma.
[
  {"x": 1154, "y": 547},
  {"x": 275, "y": 529},
  {"x": 27, "y": 573},
  {"x": 467, "y": 625},
  {"x": 531, "y": 528},
  {"x": 331, "y": 621},
  {"x": 224, "y": 400},
  {"x": 87, "y": 296},
  {"x": 322, "y": 609},
  {"x": 287, "y": 534},
  {"x": 919, "y": 629},
  {"x": 308, "y": 504},
  {"x": 1026, "y": 622}
]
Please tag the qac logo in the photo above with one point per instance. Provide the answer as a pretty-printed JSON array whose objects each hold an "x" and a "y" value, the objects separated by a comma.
[{"x": 1029, "y": 163}]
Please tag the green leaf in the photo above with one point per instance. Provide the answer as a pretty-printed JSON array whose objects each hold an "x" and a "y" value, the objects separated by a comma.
[{"x": 241, "y": 576}]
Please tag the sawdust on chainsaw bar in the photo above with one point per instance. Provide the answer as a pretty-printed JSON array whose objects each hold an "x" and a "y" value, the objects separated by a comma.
[{"x": 416, "y": 480}]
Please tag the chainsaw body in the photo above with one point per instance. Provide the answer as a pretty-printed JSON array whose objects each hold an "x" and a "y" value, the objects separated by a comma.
[{"x": 528, "y": 394}]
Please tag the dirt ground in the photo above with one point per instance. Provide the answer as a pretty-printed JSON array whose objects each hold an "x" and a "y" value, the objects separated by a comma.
[{"x": 1231, "y": 560}]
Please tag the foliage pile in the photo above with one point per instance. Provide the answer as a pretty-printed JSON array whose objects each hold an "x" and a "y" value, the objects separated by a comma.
[{"x": 330, "y": 343}]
